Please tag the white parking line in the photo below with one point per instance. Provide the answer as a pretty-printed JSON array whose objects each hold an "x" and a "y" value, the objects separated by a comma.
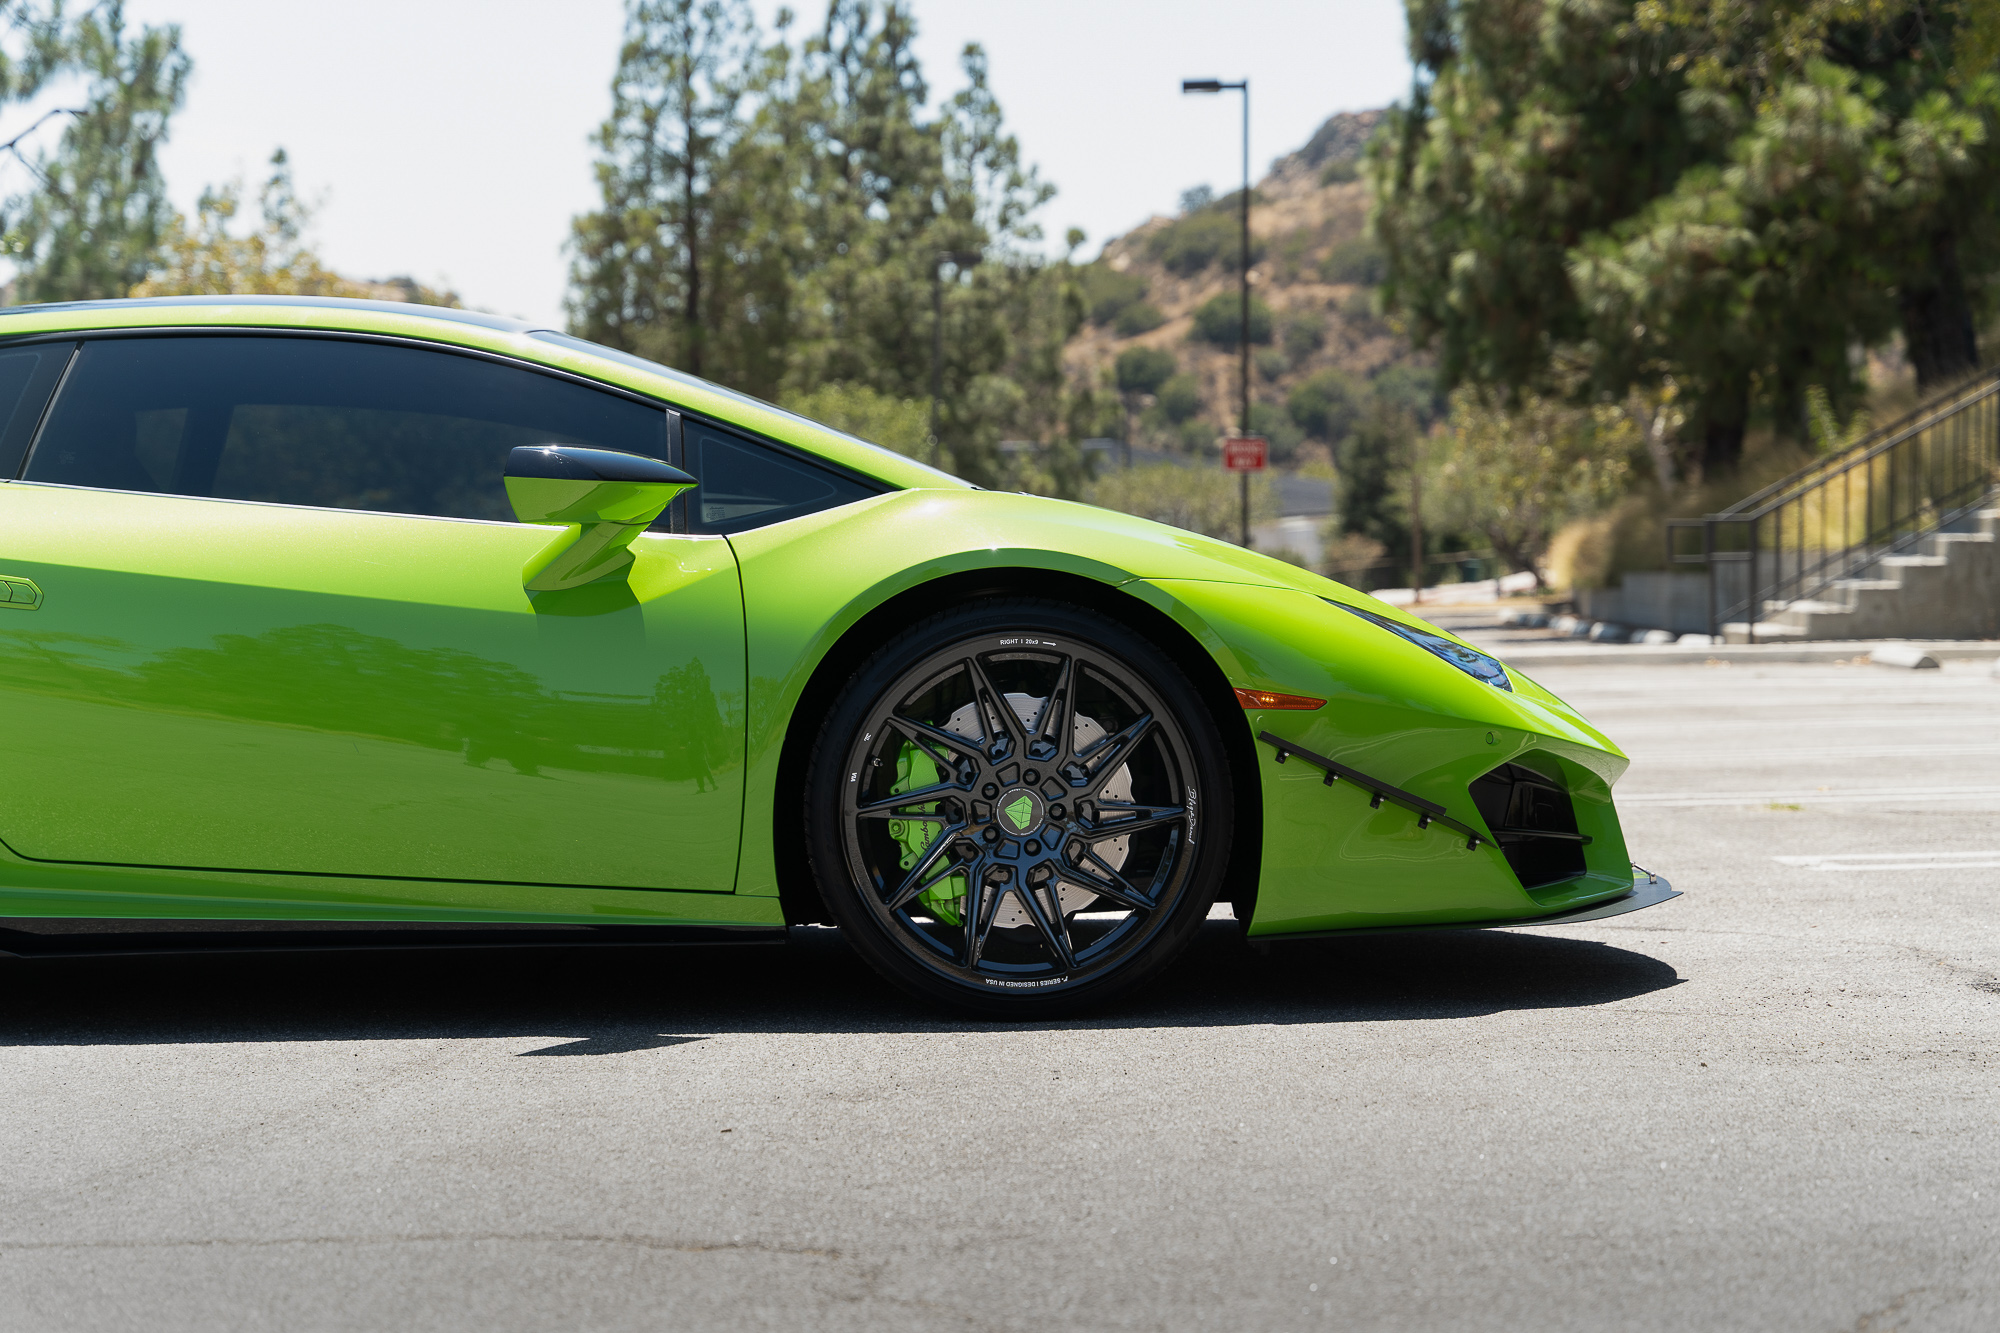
[
  {"x": 1895, "y": 861},
  {"x": 1854, "y": 795}
]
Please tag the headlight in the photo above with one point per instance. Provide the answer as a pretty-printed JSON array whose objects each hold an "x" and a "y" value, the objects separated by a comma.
[{"x": 1469, "y": 660}]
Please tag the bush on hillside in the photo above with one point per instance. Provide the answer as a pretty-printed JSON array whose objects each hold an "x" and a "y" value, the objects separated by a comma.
[
  {"x": 1137, "y": 318},
  {"x": 1107, "y": 292},
  {"x": 1340, "y": 171},
  {"x": 1220, "y": 320},
  {"x": 1358, "y": 260},
  {"x": 1301, "y": 332},
  {"x": 1179, "y": 398},
  {"x": 1326, "y": 405},
  {"x": 1143, "y": 369},
  {"x": 1190, "y": 244}
]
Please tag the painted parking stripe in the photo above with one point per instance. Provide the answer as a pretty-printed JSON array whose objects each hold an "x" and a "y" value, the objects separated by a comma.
[
  {"x": 1895, "y": 861},
  {"x": 1852, "y": 796}
]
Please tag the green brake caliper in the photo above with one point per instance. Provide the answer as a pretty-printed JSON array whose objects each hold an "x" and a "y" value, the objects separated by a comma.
[{"x": 915, "y": 769}]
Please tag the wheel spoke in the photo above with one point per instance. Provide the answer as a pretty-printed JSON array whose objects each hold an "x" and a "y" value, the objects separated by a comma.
[
  {"x": 1111, "y": 884},
  {"x": 982, "y": 904},
  {"x": 1142, "y": 817},
  {"x": 992, "y": 701},
  {"x": 924, "y": 735},
  {"x": 1059, "y": 710},
  {"x": 1055, "y": 930},
  {"x": 919, "y": 879},
  {"x": 1108, "y": 755},
  {"x": 888, "y": 805}
]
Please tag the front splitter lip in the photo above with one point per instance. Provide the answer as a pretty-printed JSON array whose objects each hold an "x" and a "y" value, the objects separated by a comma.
[{"x": 1650, "y": 891}]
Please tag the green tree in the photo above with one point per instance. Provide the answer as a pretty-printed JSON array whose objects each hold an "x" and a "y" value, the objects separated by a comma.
[
  {"x": 1727, "y": 197},
  {"x": 901, "y": 424},
  {"x": 92, "y": 224},
  {"x": 647, "y": 274},
  {"x": 826, "y": 197},
  {"x": 1200, "y": 499},
  {"x": 1373, "y": 461},
  {"x": 1515, "y": 474},
  {"x": 205, "y": 256}
]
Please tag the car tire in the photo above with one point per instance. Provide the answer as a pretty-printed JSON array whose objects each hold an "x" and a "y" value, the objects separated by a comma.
[{"x": 1026, "y": 860}]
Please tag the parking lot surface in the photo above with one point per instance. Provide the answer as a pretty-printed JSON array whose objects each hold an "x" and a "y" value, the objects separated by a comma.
[{"x": 1773, "y": 1103}]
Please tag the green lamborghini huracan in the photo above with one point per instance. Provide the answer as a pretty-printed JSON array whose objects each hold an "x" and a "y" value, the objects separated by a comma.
[{"x": 342, "y": 622}]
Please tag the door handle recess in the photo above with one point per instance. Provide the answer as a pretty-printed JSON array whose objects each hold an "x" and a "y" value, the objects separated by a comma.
[{"x": 18, "y": 594}]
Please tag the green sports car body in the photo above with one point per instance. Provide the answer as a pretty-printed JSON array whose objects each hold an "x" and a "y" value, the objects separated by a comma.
[{"x": 319, "y": 611}]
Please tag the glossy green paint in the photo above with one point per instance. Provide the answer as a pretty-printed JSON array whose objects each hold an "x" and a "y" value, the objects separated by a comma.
[
  {"x": 1401, "y": 714},
  {"x": 249, "y": 687},
  {"x": 593, "y": 755}
]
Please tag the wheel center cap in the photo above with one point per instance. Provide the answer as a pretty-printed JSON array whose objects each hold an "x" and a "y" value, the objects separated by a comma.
[{"x": 1020, "y": 810}]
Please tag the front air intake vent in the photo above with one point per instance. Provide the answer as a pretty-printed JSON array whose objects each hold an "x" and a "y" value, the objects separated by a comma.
[{"x": 1534, "y": 822}]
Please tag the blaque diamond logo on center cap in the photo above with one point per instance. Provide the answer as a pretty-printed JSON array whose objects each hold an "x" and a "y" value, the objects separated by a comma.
[{"x": 1021, "y": 812}]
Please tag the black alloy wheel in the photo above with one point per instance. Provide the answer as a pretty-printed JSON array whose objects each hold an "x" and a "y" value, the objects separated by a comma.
[{"x": 1019, "y": 807}]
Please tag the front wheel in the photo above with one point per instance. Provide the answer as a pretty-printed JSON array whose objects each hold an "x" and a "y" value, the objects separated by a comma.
[{"x": 1019, "y": 807}]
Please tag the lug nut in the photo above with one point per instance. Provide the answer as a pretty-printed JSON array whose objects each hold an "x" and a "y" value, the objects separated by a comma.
[
  {"x": 1031, "y": 777},
  {"x": 992, "y": 835},
  {"x": 1032, "y": 848},
  {"x": 989, "y": 791},
  {"x": 1056, "y": 811}
]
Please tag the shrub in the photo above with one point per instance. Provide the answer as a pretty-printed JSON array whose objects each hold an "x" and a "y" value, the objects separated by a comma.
[
  {"x": 1137, "y": 318},
  {"x": 1326, "y": 405},
  {"x": 1302, "y": 332},
  {"x": 1143, "y": 369},
  {"x": 1272, "y": 363},
  {"x": 1340, "y": 171},
  {"x": 1180, "y": 398},
  {"x": 1201, "y": 499},
  {"x": 1357, "y": 260},
  {"x": 1190, "y": 244},
  {"x": 1270, "y": 421},
  {"x": 1220, "y": 320},
  {"x": 1197, "y": 435},
  {"x": 1107, "y": 292}
]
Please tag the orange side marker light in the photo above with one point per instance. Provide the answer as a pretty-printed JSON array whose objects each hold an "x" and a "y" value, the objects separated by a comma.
[{"x": 1267, "y": 699}]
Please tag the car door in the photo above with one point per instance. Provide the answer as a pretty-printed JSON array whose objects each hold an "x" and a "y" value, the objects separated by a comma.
[{"x": 280, "y": 626}]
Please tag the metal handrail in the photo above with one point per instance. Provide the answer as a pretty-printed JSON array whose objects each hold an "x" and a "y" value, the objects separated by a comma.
[{"x": 1839, "y": 516}]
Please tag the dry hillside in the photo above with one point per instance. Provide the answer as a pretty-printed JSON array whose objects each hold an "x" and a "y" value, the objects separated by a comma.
[{"x": 1313, "y": 268}]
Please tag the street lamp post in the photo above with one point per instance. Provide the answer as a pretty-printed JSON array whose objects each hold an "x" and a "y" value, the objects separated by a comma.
[
  {"x": 958, "y": 259},
  {"x": 1243, "y": 329}
]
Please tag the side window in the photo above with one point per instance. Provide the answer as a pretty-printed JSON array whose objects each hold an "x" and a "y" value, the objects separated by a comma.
[
  {"x": 747, "y": 485},
  {"x": 314, "y": 421},
  {"x": 27, "y": 375}
]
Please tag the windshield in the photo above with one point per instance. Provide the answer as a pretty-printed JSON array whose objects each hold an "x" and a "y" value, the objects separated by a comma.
[{"x": 681, "y": 377}]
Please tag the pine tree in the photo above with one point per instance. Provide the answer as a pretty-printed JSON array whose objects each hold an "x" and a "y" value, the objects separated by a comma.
[
  {"x": 95, "y": 220},
  {"x": 648, "y": 267}
]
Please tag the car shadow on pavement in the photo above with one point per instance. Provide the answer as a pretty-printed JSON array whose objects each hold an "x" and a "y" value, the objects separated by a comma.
[{"x": 612, "y": 1001}]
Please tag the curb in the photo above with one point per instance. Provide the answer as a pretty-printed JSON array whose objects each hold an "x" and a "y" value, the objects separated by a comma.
[{"x": 1674, "y": 654}]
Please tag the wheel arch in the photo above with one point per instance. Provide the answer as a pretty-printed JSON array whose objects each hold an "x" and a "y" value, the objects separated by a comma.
[{"x": 796, "y": 890}]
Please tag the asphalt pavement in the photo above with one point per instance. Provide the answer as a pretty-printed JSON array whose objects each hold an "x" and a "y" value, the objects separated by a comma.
[{"x": 1773, "y": 1103}]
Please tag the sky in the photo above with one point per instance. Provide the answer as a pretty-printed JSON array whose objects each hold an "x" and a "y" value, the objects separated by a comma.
[{"x": 449, "y": 139}]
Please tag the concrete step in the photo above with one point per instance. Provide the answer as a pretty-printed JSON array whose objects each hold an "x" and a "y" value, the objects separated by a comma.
[
  {"x": 1806, "y": 608},
  {"x": 1913, "y": 562},
  {"x": 1867, "y": 585},
  {"x": 1768, "y": 631}
]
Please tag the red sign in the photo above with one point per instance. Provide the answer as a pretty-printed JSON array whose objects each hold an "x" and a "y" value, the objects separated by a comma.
[{"x": 1245, "y": 453}]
